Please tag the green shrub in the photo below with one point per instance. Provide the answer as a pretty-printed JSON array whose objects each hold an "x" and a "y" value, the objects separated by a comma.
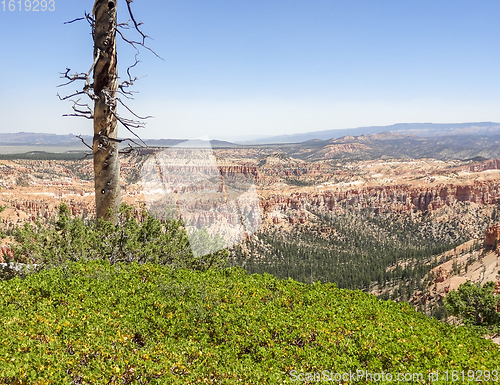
[
  {"x": 97, "y": 323},
  {"x": 72, "y": 239},
  {"x": 474, "y": 304}
]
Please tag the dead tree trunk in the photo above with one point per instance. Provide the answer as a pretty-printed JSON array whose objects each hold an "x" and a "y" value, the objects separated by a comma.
[
  {"x": 103, "y": 90},
  {"x": 105, "y": 145}
]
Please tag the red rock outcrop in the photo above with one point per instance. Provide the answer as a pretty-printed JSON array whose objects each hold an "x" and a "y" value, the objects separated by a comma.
[
  {"x": 5, "y": 251},
  {"x": 276, "y": 176},
  {"x": 384, "y": 198},
  {"x": 493, "y": 164},
  {"x": 441, "y": 276},
  {"x": 492, "y": 237}
]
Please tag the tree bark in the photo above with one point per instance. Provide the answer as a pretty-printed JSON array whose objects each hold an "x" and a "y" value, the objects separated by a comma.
[{"x": 105, "y": 149}]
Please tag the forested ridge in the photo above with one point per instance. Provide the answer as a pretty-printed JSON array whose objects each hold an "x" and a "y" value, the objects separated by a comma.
[{"x": 361, "y": 249}]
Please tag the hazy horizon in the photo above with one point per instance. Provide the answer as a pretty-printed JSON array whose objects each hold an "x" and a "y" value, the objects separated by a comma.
[{"x": 414, "y": 128}]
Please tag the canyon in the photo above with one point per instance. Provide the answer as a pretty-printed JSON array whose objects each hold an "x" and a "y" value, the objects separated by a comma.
[
  {"x": 288, "y": 189},
  {"x": 444, "y": 201}
]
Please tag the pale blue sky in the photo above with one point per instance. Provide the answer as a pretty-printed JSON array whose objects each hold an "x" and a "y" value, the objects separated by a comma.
[{"x": 240, "y": 67}]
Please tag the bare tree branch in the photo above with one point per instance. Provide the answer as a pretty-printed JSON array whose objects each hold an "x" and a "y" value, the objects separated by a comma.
[
  {"x": 129, "y": 125},
  {"x": 127, "y": 151},
  {"x": 87, "y": 88},
  {"x": 78, "y": 116},
  {"x": 87, "y": 17},
  {"x": 88, "y": 112},
  {"x": 130, "y": 82},
  {"x": 83, "y": 141},
  {"x": 132, "y": 112},
  {"x": 121, "y": 152},
  {"x": 133, "y": 43},
  {"x": 125, "y": 139},
  {"x": 136, "y": 24},
  {"x": 72, "y": 21},
  {"x": 70, "y": 96},
  {"x": 72, "y": 78},
  {"x": 79, "y": 113},
  {"x": 86, "y": 155},
  {"x": 87, "y": 81}
]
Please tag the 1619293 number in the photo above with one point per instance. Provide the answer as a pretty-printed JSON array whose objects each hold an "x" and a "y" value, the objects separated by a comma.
[{"x": 28, "y": 5}]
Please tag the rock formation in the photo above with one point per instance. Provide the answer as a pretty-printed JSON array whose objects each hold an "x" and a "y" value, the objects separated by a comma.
[
  {"x": 399, "y": 198},
  {"x": 492, "y": 237},
  {"x": 5, "y": 253},
  {"x": 289, "y": 189}
]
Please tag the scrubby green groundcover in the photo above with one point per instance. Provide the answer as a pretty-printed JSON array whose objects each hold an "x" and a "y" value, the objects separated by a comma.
[{"x": 96, "y": 323}]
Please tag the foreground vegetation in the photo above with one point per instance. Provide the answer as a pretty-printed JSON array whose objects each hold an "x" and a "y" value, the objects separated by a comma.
[
  {"x": 130, "y": 304},
  {"x": 71, "y": 239},
  {"x": 477, "y": 306},
  {"x": 100, "y": 323}
]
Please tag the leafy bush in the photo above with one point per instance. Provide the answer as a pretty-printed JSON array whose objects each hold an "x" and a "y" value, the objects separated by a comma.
[
  {"x": 72, "y": 239},
  {"x": 474, "y": 304},
  {"x": 97, "y": 323}
]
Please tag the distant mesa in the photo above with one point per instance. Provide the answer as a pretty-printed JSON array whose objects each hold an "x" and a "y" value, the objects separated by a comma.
[
  {"x": 394, "y": 131},
  {"x": 416, "y": 129},
  {"x": 55, "y": 140},
  {"x": 334, "y": 149},
  {"x": 464, "y": 141}
]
